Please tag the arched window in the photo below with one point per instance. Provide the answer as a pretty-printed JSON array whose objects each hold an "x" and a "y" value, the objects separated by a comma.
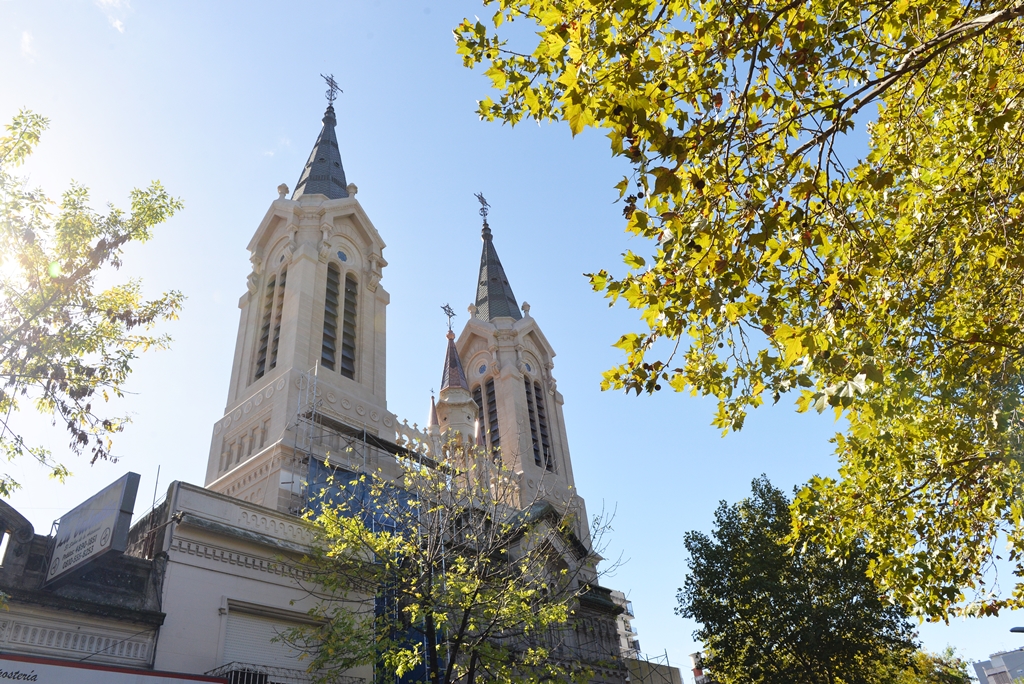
[
  {"x": 478, "y": 397},
  {"x": 264, "y": 341},
  {"x": 487, "y": 412},
  {"x": 348, "y": 329},
  {"x": 542, "y": 455},
  {"x": 279, "y": 307},
  {"x": 492, "y": 413},
  {"x": 329, "y": 346},
  {"x": 542, "y": 426}
]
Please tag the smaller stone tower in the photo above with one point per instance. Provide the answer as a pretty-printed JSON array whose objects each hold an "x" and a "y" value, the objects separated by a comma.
[
  {"x": 508, "y": 375},
  {"x": 456, "y": 411}
]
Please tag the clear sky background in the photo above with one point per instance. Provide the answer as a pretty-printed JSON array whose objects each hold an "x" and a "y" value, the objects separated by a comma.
[{"x": 222, "y": 102}]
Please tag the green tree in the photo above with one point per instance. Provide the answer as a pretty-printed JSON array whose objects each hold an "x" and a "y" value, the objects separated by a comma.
[
  {"x": 440, "y": 572},
  {"x": 65, "y": 344},
  {"x": 936, "y": 668},
  {"x": 832, "y": 197},
  {"x": 770, "y": 614}
]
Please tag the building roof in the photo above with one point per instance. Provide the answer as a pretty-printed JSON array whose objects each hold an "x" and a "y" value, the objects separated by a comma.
[
  {"x": 494, "y": 296},
  {"x": 324, "y": 174},
  {"x": 453, "y": 375}
]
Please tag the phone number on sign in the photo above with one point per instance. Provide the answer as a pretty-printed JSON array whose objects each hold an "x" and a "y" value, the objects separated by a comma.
[{"x": 82, "y": 550}]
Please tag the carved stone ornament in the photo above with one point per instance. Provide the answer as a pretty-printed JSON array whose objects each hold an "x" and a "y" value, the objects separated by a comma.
[
  {"x": 252, "y": 283},
  {"x": 282, "y": 190},
  {"x": 361, "y": 410},
  {"x": 324, "y": 248},
  {"x": 388, "y": 421},
  {"x": 504, "y": 335},
  {"x": 247, "y": 407},
  {"x": 374, "y": 416},
  {"x": 346, "y": 404},
  {"x": 331, "y": 397},
  {"x": 292, "y": 245},
  {"x": 257, "y": 263},
  {"x": 526, "y": 309},
  {"x": 373, "y": 272},
  {"x": 280, "y": 384},
  {"x": 258, "y": 400},
  {"x": 520, "y": 364},
  {"x": 270, "y": 392}
]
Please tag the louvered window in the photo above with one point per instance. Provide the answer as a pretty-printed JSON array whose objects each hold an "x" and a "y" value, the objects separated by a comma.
[
  {"x": 542, "y": 427},
  {"x": 348, "y": 330},
  {"x": 264, "y": 342},
  {"x": 492, "y": 414},
  {"x": 329, "y": 346},
  {"x": 533, "y": 422},
  {"x": 478, "y": 397},
  {"x": 279, "y": 308}
]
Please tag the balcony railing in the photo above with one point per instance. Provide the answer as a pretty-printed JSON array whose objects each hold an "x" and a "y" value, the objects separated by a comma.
[{"x": 248, "y": 673}]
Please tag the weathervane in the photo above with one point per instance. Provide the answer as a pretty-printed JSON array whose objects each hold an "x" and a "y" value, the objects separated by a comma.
[
  {"x": 450, "y": 314},
  {"x": 333, "y": 89},
  {"x": 484, "y": 206}
]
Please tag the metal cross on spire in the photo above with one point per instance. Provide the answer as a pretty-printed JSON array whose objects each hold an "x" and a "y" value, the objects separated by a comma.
[
  {"x": 484, "y": 206},
  {"x": 333, "y": 89},
  {"x": 450, "y": 313}
]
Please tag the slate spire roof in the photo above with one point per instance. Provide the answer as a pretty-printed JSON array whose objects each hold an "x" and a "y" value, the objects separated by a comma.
[
  {"x": 494, "y": 296},
  {"x": 324, "y": 173},
  {"x": 453, "y": 375}
]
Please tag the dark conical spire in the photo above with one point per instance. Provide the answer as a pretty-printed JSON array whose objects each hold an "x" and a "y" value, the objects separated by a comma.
[
  {"x": 324, "y": 174},
  {"x": 494, "y": 296},
  {"x": 453, "y": 375}
]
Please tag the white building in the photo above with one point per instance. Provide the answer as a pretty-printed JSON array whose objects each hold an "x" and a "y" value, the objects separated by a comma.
[{"x": 1001, "y": 668}]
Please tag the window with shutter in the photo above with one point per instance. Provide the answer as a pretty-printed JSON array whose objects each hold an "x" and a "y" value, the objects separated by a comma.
[{"x": 329, "y": 346}]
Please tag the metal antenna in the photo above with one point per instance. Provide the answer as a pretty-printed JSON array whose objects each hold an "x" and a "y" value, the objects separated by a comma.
[
  {"x": 484, "y": 207},
  {"x": 450, "y": 314},
  {"x": 333, "y": 89}
]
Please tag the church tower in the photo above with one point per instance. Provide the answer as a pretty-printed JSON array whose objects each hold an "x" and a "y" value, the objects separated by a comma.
[
  {"x": 508, "y": 364},
  {"x": 313, "y": 307}
]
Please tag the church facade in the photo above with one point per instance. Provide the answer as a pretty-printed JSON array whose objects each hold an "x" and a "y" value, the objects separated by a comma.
[
  {"x": 315, "y": 306},
  {"x": 309, "y": 370}
]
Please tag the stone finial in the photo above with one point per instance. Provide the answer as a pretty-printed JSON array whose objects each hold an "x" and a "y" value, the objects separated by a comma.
[
  {"x": 472, "y": 310},
  {"x": 352, "y": 189},
  {"x": 282, "y": 190},
  {"x": 526, "y": 308}
]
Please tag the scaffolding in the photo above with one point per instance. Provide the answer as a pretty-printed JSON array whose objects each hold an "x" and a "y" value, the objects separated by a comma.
[
  {"x": 321, "y": 437},
  {"x": 652, "y": 669}
]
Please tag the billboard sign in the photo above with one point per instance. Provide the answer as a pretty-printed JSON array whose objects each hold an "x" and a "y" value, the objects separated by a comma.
[{"x": 97, "y": 526}]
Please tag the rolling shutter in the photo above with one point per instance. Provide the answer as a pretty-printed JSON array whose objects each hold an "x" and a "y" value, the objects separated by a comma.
[{"x": 249, "y": 639}]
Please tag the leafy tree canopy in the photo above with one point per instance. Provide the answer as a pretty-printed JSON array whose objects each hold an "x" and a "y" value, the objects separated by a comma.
[
  {"x": 771, "y": 615},
  {"x": 936, "y": 668},
  {"x": 832, "y": 197},
  {"x": 66, "y": 345}
]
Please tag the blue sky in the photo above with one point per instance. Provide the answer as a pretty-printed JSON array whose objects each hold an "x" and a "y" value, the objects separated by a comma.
[{"x": 222, "y": 102}]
